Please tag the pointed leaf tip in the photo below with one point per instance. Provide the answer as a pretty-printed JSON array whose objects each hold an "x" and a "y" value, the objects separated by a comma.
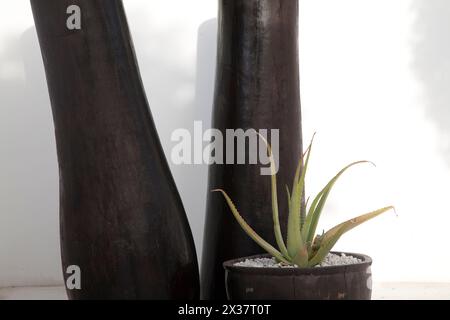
[{"x": 330, "y": 238}]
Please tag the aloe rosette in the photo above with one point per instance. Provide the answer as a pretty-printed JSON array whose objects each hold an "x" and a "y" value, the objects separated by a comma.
[{"x": 303, "y": 248}]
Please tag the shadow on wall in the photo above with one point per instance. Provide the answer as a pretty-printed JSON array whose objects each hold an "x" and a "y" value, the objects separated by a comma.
[
  {"x": 178, "y": 95},
  {"x": 204, "y": 98},
  {"x": 29, "y": 228},
  {"x": 432, "y": 63}
]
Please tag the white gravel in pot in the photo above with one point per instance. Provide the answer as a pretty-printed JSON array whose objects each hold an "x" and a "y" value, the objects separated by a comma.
[{"x": 330, "y": 260}]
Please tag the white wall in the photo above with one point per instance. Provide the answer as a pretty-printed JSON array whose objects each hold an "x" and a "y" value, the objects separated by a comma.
[{"x": 374, "y": 76}]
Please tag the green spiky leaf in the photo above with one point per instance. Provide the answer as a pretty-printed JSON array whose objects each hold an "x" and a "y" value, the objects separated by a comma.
[
  {"x": 275, "y": 214},
  {"x": 288, "y": 198},
  {"x": 312, "y": 219},
  {"x": 250, "y": 232},
  {"x": 295, "y": 240},
  {"x": 329, "y": 239}
]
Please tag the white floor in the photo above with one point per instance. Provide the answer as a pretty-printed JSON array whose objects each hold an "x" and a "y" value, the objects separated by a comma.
[
  {"x": 411, "y": 291},
  {"x": 33, "y": 293},
  {"x": 381, "y": 291}
]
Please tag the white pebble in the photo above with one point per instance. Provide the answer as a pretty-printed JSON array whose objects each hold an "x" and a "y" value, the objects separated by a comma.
[{"x": 330, "y": 260}]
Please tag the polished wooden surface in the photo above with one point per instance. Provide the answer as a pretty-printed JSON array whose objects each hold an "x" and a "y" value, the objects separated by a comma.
[
  {"x": 257, "y": 86},
  {"x": 342, "y": 282},
  {"x": 122, "y": 220}
]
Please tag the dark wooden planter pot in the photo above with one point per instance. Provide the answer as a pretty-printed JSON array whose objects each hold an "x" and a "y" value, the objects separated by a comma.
[
  {"x": 257, "y": 87},
  {"x": 350, "y": 282},
  {"x": 122, "y": 220}
]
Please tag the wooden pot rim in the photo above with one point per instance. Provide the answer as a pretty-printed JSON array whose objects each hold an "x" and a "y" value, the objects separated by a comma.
[{"x": 315, "y": 271}]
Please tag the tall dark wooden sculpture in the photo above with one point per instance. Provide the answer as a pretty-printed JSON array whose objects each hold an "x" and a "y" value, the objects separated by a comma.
[
  {"x": 122, "y": 220},
  {"x": 257, "y": 86}
]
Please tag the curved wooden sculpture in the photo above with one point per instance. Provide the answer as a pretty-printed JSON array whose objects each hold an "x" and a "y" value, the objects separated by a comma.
[
  {"x": 257, "y": 86},
  {"x": 122, "y": 220}
]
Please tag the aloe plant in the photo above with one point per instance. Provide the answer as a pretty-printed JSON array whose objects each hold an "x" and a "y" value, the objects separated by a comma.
[{"x": 303, "y": 248}]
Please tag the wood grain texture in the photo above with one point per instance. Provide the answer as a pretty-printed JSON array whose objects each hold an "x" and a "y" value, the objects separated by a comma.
[
  {"x": 349, "y": 282},
  {"x": 257, "y": 87},
  {"x": 122, "y": 220}
]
